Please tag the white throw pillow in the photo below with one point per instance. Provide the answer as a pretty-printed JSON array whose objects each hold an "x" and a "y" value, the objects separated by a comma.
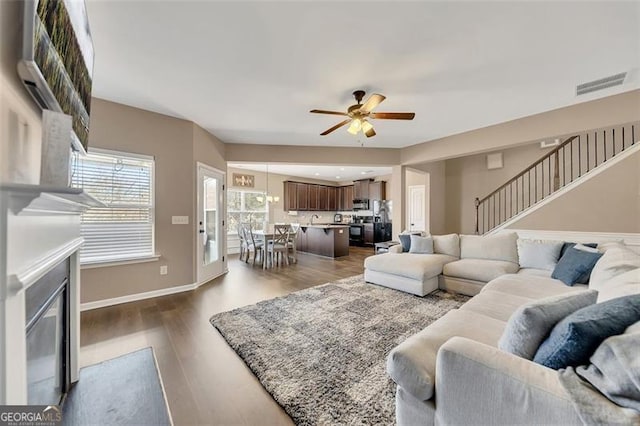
[
  {"x": 625, "y": 284},
  {"x": 421, "y": 245},
  {"x": 492, "y": 247},
  {"x": 446, "y": 244},
  {"x": 539, "y": 254},
  {"x": 616, "y": 260}
]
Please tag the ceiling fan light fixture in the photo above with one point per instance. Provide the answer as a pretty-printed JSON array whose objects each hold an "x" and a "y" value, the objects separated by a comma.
[
  {"x": 354, "y": 128},
  {"x": 366, "y": 126}
]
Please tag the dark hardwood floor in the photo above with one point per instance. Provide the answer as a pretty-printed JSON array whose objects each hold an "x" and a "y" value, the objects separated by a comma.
[{"x": 205, "y": 381}]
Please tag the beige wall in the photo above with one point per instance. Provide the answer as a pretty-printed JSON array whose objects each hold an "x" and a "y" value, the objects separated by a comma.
[
  {"x": 603, "y": 112},
  {"x": 312, "y": 155},
  {"x": 437, "y": 193},
  {"x": 468, "y": 178},
  {"x": 608, "y": 202},
  {"x": 176, "y": 145}
]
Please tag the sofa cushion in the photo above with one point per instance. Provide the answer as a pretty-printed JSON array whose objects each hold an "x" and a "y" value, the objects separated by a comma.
[
  {"x": 496, "y": 304},
  {"x": 539, "y": 254},
  {"x": 479, "y": 270},
  {"x": 575, "y": 265},
  {"x": 412, "y": 364},
  {"x": 617, "y": 259},
  {"x": 531, "y": 323},
  {"x": 421, "y": 245},
  {"x": 535, "y": 272},
  {"x": 447, "y": 244},
  {"x": 493, "y": 247},
  {"x": 620, "y": 285},
  {"x": 415, "y": 266},
  {"x": 530, "y": 286},
  {"x": 574, "y": 339}
]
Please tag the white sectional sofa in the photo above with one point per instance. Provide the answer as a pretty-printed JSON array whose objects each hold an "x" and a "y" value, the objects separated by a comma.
[
  {"x": 452, "y": 372},
  {"x": 462, "y": 264}
]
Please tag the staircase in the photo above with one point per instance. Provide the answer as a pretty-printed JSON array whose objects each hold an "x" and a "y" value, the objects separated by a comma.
[{"x": 561, "y": 168}]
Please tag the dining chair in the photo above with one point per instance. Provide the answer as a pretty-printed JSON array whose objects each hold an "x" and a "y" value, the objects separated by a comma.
[
  {"x": 278, "y": 247},
  {"x": 294, "y": 228},
  {"x": 252, "y": 245},
  {"x": 243, "y": 242}
]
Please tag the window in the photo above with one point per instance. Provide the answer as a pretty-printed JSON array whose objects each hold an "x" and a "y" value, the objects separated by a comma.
[
  {"x": 123, "y": 230},
  {"x": 245, "y": 206}
]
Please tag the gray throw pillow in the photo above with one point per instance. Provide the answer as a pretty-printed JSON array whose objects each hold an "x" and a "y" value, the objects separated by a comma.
[
  {"x": 615, "y": 368},
  {"x": 421, "y": 245},
  {"x": 530, "y": 324}
]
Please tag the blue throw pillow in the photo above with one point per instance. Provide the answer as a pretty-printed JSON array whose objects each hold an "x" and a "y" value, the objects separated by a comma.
[
  {"x": 574, "y": 339},
  {"x": 575, "y": 266},
  {"x": 567, "y": 246},
  {"x": 405, "y": 240}
]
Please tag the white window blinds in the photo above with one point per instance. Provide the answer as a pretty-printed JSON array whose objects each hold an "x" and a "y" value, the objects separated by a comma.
[{"x": 122, "y": 230}]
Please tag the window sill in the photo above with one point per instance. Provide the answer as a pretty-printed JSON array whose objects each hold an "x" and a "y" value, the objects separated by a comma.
[{"x": 132, "y": 261}]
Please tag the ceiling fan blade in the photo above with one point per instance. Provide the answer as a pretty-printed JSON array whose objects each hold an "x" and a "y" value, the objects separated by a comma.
[
  {"x": 373, "y": 101},
  {"x": 369, "y": 133},
  {"x": 393, "y": 115},
  {"x": 321, "y": 111},
  {"x": 337, "y": 126}
]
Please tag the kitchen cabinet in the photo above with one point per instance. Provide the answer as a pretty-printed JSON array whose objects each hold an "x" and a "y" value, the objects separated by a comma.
[
  {"x": 368, "y": 233},
  {"x": 323, "y": 240},
  {"x": 361, "y": 189},
  {"x": 302, "y": 190},
  {"x": 290, "y": 196},
  {"x": 323, "y": 198},
  {"x": 377, "y": 191},
  {"x": 313, "y": 197},
  {"x": 332, "y": 198},
  {"x": 347, "y": 197}
]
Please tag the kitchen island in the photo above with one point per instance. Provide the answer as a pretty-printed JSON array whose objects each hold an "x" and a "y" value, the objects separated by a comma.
[{"x": 323, "y": 240}]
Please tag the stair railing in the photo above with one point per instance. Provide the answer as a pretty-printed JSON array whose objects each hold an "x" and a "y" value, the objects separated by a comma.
[{"x": 572, "y": 159}]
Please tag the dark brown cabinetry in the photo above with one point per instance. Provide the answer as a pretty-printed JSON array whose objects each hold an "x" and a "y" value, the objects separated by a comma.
[
  {"x": 347, "y": 198},
  {"x": 303, "y": 196},
  {"x": 361, "y": 190},
  {"x": 377, "y": 190},
  {"x": 323, "y": 198},
  {"x": 332, "y": 198},
  {"x": 314, "y": 197}
]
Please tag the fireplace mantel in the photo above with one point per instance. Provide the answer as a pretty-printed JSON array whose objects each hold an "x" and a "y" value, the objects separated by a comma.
[{"x": 39, "y": 228}]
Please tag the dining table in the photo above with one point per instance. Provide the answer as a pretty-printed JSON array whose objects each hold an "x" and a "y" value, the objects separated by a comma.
[{"x": 268, "y": 234}]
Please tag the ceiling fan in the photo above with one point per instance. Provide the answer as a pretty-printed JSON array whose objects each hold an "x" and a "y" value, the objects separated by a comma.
[{"x": 360, "y": 113}]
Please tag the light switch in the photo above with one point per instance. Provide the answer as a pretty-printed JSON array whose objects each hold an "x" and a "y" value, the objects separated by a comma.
[{"x": 179, "y": 220}]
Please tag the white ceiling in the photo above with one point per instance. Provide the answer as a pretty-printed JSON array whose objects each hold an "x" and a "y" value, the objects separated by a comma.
[
  {"x": 328, "y": 173},
  {"x": 249, "y": 72}
]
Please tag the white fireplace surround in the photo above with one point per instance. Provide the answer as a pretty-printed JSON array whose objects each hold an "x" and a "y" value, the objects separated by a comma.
[{"x": 39, "y": 228}]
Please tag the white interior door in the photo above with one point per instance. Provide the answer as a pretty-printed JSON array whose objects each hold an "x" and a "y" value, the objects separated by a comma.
[
  {"x": 416, "y": 208},
  {"x": 210, "y": 227}
]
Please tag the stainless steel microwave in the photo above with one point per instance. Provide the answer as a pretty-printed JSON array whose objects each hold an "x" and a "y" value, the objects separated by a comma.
[{"x": 361, "y": 204}]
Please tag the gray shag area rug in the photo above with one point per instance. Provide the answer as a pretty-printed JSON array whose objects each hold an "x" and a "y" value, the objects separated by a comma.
[{"x": 321, "y": 352}]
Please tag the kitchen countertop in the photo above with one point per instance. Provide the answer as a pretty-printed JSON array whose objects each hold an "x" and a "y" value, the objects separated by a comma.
[{"x": 324, "y": 226}]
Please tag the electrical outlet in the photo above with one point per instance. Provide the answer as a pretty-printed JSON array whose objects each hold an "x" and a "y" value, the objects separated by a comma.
[
  {"x": 163, "y": 270},
  {"x": 179, "y": 220}
]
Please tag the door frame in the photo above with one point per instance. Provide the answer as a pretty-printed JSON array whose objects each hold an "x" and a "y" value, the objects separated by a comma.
[
  {"x": 222, "y": 223},
  {"x": 424, "y": 206}
]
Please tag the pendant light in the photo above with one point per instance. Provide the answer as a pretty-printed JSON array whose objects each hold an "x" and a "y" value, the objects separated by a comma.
[{"x": 270, "y": 198}]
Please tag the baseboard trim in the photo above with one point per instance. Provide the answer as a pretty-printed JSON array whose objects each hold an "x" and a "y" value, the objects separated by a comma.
[{"x": 87, "y": 306}]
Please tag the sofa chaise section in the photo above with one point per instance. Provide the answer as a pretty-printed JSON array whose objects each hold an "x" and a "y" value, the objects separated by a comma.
[{"x": 408, "y": 272}]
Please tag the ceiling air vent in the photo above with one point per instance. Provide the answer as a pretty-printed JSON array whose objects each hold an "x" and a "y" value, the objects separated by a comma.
[{"x": 603, "y": 83}]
